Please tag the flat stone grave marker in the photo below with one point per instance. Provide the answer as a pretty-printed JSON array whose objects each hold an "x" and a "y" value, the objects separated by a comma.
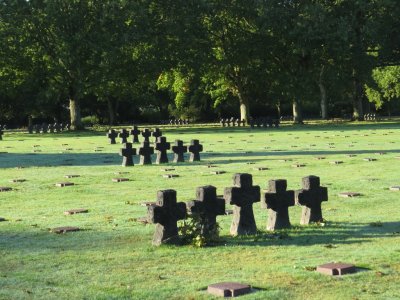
[
  {"x": 17, "y": 180},
  {"x": 161, "y": 147},
  {"x": 349, "y": 194},
  {"x": 336, "y": 162},
  {"x": 284, "y": 159},
  {"x": 195, "y": 148},
  {"x": 2, "y": 219},
  {"x": 228, "y": 289},
  {"x": 165, "y": 214},
  {"x": 5, "y": 189},
  {"x": 242, "y": 195},
  {"x": 121, "y": 173},
  {"x": 65, "y": 229},
  {"x": 179, "y": 151},
  {"x": 380, "y": 153},
  {"x": 64, "y": 184},
  {"x": 250, "y": 163},
  {"x": 170, "y": 175},
  {"x": 369, "y": 159},
  {"x": 334, "y": 269},
  {"x": 310, "y": 197},
  {"x": 145, "y": 152},
  {"x": 298, "y": 165},
  {"x": 167, "y": 169},
  {"x": 147, "y": 203},
  {"x": 320, "y": 157},
  {"x": 210, "y": 166},
  {"x": 72, "y": 176},
  {"x": 277, "y": 200},
  {"x": 217, "y": 172},
  {"x": 76, "y": 211},
  {"x": 119, "y": 179},
  {"x": 395, "y": 188},
  {"x": 260, "y": 168},
  {"x": 351, "y": 155}
]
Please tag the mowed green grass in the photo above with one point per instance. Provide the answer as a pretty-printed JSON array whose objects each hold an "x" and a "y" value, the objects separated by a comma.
[{"x": 112, "y": 258}]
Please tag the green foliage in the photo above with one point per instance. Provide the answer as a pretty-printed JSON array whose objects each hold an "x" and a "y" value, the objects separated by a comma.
[
  {"x": 191, "y": 231},
  {"x": 90, "y": 120},
  {"x": 386, "y": 87}
]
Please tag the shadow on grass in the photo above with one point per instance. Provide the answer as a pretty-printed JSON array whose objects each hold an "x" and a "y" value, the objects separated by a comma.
[{"x": 329, "y": 235}]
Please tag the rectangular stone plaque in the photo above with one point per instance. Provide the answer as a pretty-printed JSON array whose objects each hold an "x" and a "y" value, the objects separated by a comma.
[{"x": 228, "y": 289}]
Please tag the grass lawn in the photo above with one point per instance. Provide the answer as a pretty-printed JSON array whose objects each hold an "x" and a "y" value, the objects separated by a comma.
[{"x": 112, "y": 258}]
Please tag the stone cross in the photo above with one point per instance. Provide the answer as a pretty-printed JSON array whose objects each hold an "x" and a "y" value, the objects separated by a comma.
[
  {"x": 242, "y": 196},
  {"x": 310, "y": 197},
  {"x": 162, "y": 146},
  {"x": 57, "y": 127},
  {"x": 222, "y": 122},
  {"x": 195, "y": 148},
  {"x": 146, "y": 134},
  {"x": 111, "y": 136},
  {"x": 179, "y": 150},
  {"x": 165, "y": 213},
  {"x": 207, "y": 206},
  {"x": 50, "y": 128},
  {"x": 156, "y": 133},
  {"x": 145, "y": 152},
  {"x": 123, "y": 134},
  {"x": 127, "y": 152},
  {"x": 277, "y": 200},
  {"x": 135, "y": 134}
]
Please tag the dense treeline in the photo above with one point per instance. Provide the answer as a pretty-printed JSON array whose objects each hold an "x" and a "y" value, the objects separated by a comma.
[{"x": 115, "y": 60}]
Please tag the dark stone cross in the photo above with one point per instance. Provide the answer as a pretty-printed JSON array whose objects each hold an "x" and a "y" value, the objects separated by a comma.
[
  {"x": 195, "y": 148},
  {"x": 145, "y": 152},
  {"x": 162, "y": 146},
  {"x": 135, "y": 134},
  {"x": 277, "y": 200},
  {"x": 146, "y": 134},
  {"x": 310, "y": 197},
  {"x": 242, "y": 196},
  {"x": 207, "y": 206},
  {"x": 50, "y": 128},
  {"x": 179, "y": 150},
  {"x": 57, "y": 127},
  {"x": 123, "y": 134},
  {"x": 156, "y": 133},
  {"x": 111, "y": 136},
  {"x": 165, "y": 213},
  {"x": 127, "y": 152}
]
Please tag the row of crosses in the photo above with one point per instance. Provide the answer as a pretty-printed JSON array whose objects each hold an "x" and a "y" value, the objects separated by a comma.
[
  {"x": 166, "y": 211},
  {"x": 161, "y": 147},
  {"x": 135, "y": 132}
]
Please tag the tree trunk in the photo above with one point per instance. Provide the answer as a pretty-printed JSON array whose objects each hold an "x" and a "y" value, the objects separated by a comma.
[
  {"x": 324, "y": 100},
  {"x": 297, "y": 113},
  {"x": 111, "y": 112},
  {"x": 75, "y": 113},
  {"x": 244, "y": 108},
  {"x": 278, "y": 109},
  {"x": 358, "y": 113}
]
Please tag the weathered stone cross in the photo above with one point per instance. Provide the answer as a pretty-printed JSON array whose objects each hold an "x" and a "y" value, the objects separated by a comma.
[
  {"x": 311, "y": 197},
  {"x": 145, "y": 152},
  {"x": 146, "y": 133},
  {"x": 242, "y": 196},
  {"x": 277, "y": 199},
  {"x": 135, "y": 134},
  {"x": 195, "y": 148},
  {"x": 207, "y": 206},
  {"x": 162, "y": 146},
  {"x": 127, "y": 152},
  {"x": 179, "y": 150},
  {"x": 156, "y": 133},
  {"x": 165, "y": 213},
  {"x": 123, "y": 134},
  {"x": 111, "y": 136}
]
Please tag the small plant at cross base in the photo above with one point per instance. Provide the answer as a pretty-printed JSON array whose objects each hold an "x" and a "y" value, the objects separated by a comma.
[{"x": 192, "y": 232}]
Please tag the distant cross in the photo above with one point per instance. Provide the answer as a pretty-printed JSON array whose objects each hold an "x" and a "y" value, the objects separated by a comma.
[
  {"x": 311, "y": 197},
  {"x": 233, "y": 121},
  {"x": 195, "y": 148},
  {"x": 127, "y": 152},
  {"x": 135, "y": 134},
  {"x": 111, "y": 136},
  {"x": 57, "y": 127},
  {"x": 145, "y": 152},
  {"x": 208, "y": 206},
  {"x": 222, "y": 122},
  {"x": 242, "y": 196},
  {"x": 238, "y": 122},
  {"x": 228, "y": 122},
  {"x": 146, "y": 134},
  {"x": 156, "y": 133},
  {"x": 123, "y": 134},
  {"x": 277, "y": 199},
  {"x": 50, "y": 128},
  {"x": 162, "y": 146},
  {"x": 179, "y": 150},
  {"x": 165, "y": 213}
]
